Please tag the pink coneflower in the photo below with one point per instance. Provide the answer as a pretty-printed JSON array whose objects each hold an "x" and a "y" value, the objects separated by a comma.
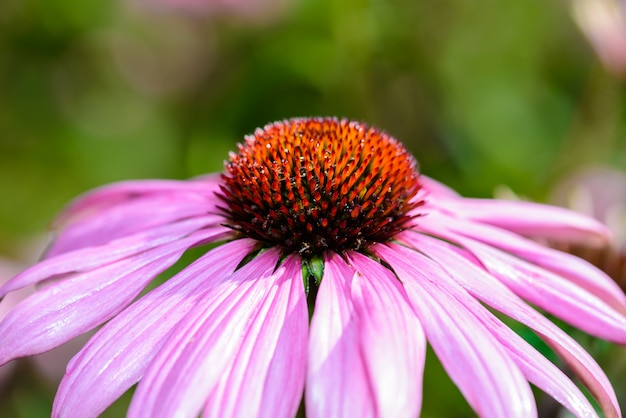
[{"x": 336, "y": 263}]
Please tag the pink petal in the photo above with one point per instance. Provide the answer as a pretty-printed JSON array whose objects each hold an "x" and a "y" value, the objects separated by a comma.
[
  {"x": 592, "y": 377},
  {"x": 337, "y": 382},
  {"x": 538, "y": 370},
  {"x": 573, "y": 268},
  {"x": 484, "y": 372},
  {"x": 236, "y": 321},
  {"x": 130, "y": 218},
  {"x": 7, "y": 271},
  {"x": 435, "y": 188},
  {"x": 97, "y": 200},
  {"x": 117, "y": 355},
  {"x": 267, "y": 378},
  {"x": 556, "y": 295},
  {"x": 529, "y": 219},
  {"x": 94, "y": 257},
  {"x": 69, "y": 308},
  {"x": 391, "y": 339},
  {"x": 492, "y": 292}
]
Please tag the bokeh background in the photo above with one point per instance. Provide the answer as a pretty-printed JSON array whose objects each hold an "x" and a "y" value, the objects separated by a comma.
[{"x": 491, "y": 97}]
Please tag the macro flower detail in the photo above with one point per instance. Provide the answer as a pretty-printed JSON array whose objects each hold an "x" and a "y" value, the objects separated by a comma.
[
  {"x": 332, "y": 263},
  {"x": 314, "y": 186}
]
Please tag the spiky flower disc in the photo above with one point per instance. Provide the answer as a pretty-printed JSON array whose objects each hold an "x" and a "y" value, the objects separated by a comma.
[{"x": 312, "y": 185}]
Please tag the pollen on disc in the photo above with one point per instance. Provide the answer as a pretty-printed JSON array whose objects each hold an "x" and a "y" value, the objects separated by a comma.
[{"x": 312, "y": 185}]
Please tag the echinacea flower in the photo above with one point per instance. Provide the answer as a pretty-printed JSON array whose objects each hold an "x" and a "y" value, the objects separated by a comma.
[{"x": 333, "y": 263}]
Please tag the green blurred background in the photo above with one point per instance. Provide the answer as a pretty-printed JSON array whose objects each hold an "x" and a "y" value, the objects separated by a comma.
[{"x": 484, "y": 94}]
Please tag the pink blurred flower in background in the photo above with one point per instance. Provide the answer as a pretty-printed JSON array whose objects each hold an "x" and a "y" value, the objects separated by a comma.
[
  {"x": 336, "y": 263},
  {"x": 604, "y": 24}
]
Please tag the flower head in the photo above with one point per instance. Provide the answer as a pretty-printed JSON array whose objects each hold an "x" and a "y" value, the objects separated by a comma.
[
  {"x": 313, "y": 186},
  {"x": 333, "y": 263}
]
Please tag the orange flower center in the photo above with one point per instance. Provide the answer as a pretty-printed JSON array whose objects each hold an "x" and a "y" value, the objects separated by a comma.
[{"x": 313, "y": 185}]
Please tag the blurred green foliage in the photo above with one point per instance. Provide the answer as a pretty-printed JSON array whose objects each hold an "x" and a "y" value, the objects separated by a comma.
[
  {"x": 102, "y": 91},
  {"x": 484, "y": 94}
]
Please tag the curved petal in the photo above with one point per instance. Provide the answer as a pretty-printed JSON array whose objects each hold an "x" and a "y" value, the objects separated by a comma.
[
  {"x": 129, "y": 218},
  {"x": 391, "y": 339},
  {"x": 93, "y": 257},
  {"x": 492, "y": 292},
  {"x": 97, "y": 200},
  {"x": 236, "y": 320},
  {"x": 573, "y": 268},
  {"x": 556, "y": 295},
  {"x": 271, "y": 359},
  {"x": 69, "y": 308},
  {"x": 529, "y": 219},
  {"x": 538, "y": 370},
  {"x": 116, "y": 357},
  {"x": 337, "y": 383},
  {"x": 488, "y": 378}
]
